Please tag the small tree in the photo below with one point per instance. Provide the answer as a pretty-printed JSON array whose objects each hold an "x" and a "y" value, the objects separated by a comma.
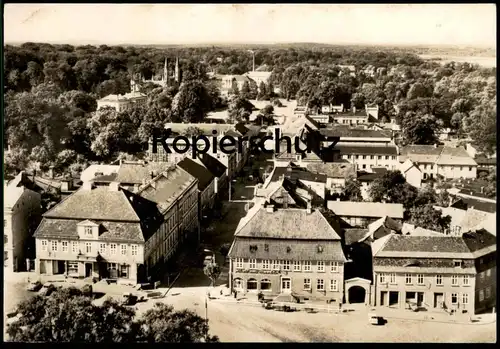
[
  {"x": 268, "y": 110},
  {"x": 212, "y": 271},
  {"x": 351, "y": 191},
  {"x": 429, "y": 218}
]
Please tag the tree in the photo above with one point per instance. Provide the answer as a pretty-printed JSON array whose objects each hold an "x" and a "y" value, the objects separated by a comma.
[
  {"x": 162, "y": 324},
  {"x": 245, "y": 90},
  {"x": 212, "y": 271},
  {"x": 70, "y": 316},
  {"x": 420, "y": 129},
  {"x": 192, "y": 102},
  {"x": 192, "y": 131},
  {"x": 268, "y": 110},
  {"x": 428, "y": 217},
  {"x": 263, "y": 92},
  {"x": 235, "y": 91},
  {"x": 351, "y": 191},
  {"x": 393, "y": 188},
  {"x": 240, "y": 109}
]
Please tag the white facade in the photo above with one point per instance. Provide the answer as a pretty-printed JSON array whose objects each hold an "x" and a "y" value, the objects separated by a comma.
[{"x": 367, "y": 162}]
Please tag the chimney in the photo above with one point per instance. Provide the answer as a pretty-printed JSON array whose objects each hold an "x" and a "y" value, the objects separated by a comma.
[
  {"x": 309, "y": 207},
  {"x": 482, "y": 190},
  {"x": 270, "y": 208},
  {"x": 113, "y": 186},
  {"x": 87, "y": 186},
  {"x": 51, "y": 172}
]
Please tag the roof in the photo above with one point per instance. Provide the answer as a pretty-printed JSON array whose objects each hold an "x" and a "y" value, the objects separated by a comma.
[
  {"x": 457, "y": 215},
  {"x": 91, "y": 171},
  {"x": 443, "y": 246},
  {"x": 485, "y": 161},
  {"x": 473, "y": 218},
  {"x": 419, "y": 231},
  {"x": 105, "y": 178},
  {"x": 333, "y": 169},
  {"x": 387, "y": 223},
  {"x": 204, "y": 176},
  {"x": 455, "y": 156},
  {"x": 489, "y": 224},
  {"x": 350, "y": 132},
  {"x": 134, "y": 95},
  {"x": 476, "y": 204},
  {"x": 379, "y": 243},
  {"x": 345, "y": 148},
  {"x": 407, "y": 165},
  {"x": 289, "y": 249},
  {"x": 352, "y": 236},
  {"x": 167, "y": 187},
  {"x": 217, "y": 168},
  {"x": 288, "y": 223},
  {"x": 352, "y": 114},
  {"x": 137, "y": 172},
  {"x": 366, "y": 209},
  {"x": 370, "y": 177},
  {"x": 206, "y": 128},
  {"x": 296, "y": 173},
  {"x": 96, "y": 204},
  {"x": 110, "y": 231},
  {"x": 113, "y": 98},
  {"x": 13, "y": 191}
]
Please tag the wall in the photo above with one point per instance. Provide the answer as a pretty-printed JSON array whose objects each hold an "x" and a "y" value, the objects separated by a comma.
[
  {"x": 485, "y": 287},
  {"x": 369, "y": 161},
  {"x": 118, "y": 105},
  {"x": 414, "y": 177},
  {"x": 20, "y": 225},
  {"x": 457, "y": 171},
  {"x": 350, "y": 120}
]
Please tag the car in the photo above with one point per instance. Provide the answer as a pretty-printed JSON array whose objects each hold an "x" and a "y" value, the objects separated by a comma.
[
  {"x": 47, "y": 289},
  {"x": 87, "y": 290},
  {"x": 34, "y": 286},
  {"x": 129, "y": 299}
]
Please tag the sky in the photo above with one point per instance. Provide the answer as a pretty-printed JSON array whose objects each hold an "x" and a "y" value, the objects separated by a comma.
[{"x": 450, "y": 24}]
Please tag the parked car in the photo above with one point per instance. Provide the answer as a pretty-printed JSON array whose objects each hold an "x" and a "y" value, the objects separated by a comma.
[
  {"x": 34, "y": 286},
  {"x": 129, "y": 299},
  {"x": 374, "y": 319},
  {"x": 87, "y": 290},
  {"x": 47, "y": 289}
]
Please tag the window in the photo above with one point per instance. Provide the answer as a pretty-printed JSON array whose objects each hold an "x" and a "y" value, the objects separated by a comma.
[
  {"x": 65, "y": 246},
  {"x": 44, "y": 245},
  {"x": 307, "y": 266},
  {"x": 387, "y": 157},
  {"x": 124, "y": 250},
  {"x": 371, "y": 157},
  {"x": 88, "y": 231},
  {"x": 276, "y": 265},
  {"x": 239, "y": 262},
  {"x": 481, "y": 295},
  {"x": 286, "y": 265},
  {"x": 420, "y": 279},
  {"x": 102, "y": 248},
  {"x": 74, "y": 247},
  {"x": 458, "y": 264},
  {"x": 307, "y": 284},
  {"x": 380, "y": 157},
  {"x": 381, "y": 278},
  {"x": 465, "y": 298},
  {"x": 296, "y": 266},
  {"x": 266, "y": 264},
  {"x": 454, "y": 298},
  {"x": 334, "y": 267},
  {"x": 461, "y": 168},
  {"x": 439, "y": 280},
  {"x": 454, "y": 280},
  {"x": 408, "y": 279},
  {"x": 265, "y": 285},
  {"x": 470, "y": 168},
  {"x": 392, "y": 278},
  {"x": 488, "y": 292},
  {"x": 320, "y": 285},
  {"x": 123, "y": 270},
  {"x": 364, "y": 166},
  {"x": 488, "y": 272},
  {"x": 466, "y": 280},
  {"x": 334, "y": 285},
  {"x": 54, "y": 246},
  {"x": 134, "y": 250},
  {"x": 321, "y": 266},
  {"x": 72, "y": 267},
  {"x": 393, "y": 158},
  {"x": 357, "y": 157},
  {"x": 88, "y": 247},
  {"x": 364, "y": 157},
  {"x": 252, "y": 264},
  {"x": 112, "y": 249},
  {"x": 481, "y": 275}
]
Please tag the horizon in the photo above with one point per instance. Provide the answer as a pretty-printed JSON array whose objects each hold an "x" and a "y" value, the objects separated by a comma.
[{"x": 452, "y": 25}]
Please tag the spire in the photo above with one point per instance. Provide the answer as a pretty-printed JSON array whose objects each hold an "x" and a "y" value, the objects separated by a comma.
[
  {"x": 165, "y": 73},
  {"x": 177, "y": 72}
]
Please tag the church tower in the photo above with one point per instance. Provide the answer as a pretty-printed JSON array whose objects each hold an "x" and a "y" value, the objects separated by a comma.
[{"x": 165, "y": 73}]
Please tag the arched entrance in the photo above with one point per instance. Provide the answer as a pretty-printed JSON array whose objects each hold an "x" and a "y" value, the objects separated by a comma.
[
  {"x": 357, "y": 290},
  {"x": 357, "y": 294}
]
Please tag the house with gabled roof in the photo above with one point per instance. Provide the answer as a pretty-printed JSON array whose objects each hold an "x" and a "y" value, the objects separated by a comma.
[
  {"x": 206, "y": 183},
  {"x": 411, "y": 173},
  {"x": 447, "y": 273},
  {"x": 287, "y": 254},
  {"x": 361, "y": 214}
]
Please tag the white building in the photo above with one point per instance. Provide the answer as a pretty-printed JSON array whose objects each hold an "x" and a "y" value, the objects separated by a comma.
[
  {"x": 21, "y": 214},
  {"x": 122, "y": 102},
  {"x": 412, "y": 173}
]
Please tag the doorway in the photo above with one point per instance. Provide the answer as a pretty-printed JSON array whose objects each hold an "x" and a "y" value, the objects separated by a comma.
[
  {"x": 357, "y": 294},
  {"x": 286, "y": 285},
  {"x": 393, "y": 298},
  {"x": 88, "y": 270},
  {"x": 438, "y": 300},
  {"x": 383, "y": 296},
  {"x": 420, "y": 299}
]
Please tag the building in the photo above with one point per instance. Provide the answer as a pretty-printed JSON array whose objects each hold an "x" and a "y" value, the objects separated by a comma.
[
  {"x": 259, "y": 76},
  {"x": 367, "y": 178},
  {"x": 361, "y": 214},
  {"x": 351, "y": 117},
  {"x": 465, "y": 203},
  {"x": 336, "y": 174},
  {"x": 206, "y": 183},
  {"x": 217, "y": 169},
  {"x": 287, "y": 253},
  {"x": 122, "y": 102},
  {"x": 347, "y": 68},
  {"x": 328, "y": 109},
  {"x": 434, "y": 160},
  {"x": 133, "y": 174},
  {"x": 437, "y": 272},
  {"x": 113, "y": 233},
  {"x": 164, "y": 79},
  {"x": 94, "y": 171},
  {"x": 412, "y": 173},
  {"x": 21, "y": 214}
]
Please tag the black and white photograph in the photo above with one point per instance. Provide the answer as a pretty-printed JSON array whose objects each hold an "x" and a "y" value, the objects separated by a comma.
[{"x": 256, "y": 173}]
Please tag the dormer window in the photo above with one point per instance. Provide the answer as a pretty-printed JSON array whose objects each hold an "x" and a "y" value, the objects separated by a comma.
[
  {"x": 266, "y": 247},
  {"x": 320, "y": 249},
  {"x": 457, "y": 263},
  {"x": 288, "y": 249},
  {"x": 88, "y": 231}
]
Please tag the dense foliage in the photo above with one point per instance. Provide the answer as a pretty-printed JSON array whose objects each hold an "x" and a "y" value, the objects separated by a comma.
[
  {"x": 51, "y": 92},
  {"x": 69, "y": 316}
]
